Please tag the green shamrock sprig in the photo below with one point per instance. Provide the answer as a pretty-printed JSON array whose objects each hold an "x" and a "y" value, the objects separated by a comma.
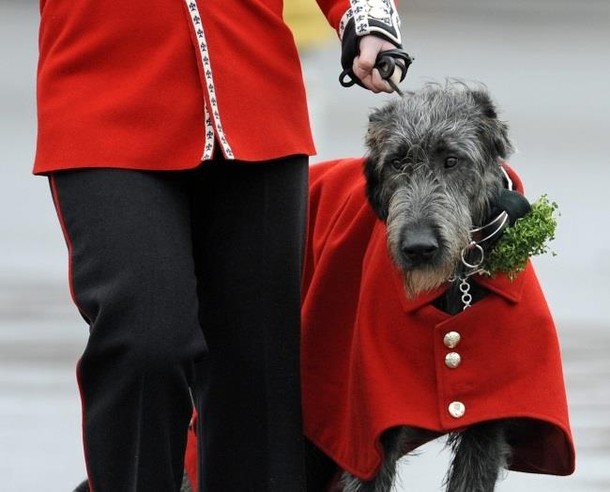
[{"x": 526, "y": 238}]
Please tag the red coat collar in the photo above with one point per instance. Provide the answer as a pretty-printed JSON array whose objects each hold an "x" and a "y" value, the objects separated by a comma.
[{"x": 500, "y": 285}]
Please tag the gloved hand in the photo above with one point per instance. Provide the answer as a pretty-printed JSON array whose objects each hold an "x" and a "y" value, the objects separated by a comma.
[{"x": 373, "y": 28}]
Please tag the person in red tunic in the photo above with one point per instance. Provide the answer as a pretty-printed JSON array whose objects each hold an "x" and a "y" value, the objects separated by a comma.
[{"x": 175, "y": 136}]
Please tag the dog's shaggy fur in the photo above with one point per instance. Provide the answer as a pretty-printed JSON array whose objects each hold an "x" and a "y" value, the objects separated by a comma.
[{"x": 433, "y": 173}]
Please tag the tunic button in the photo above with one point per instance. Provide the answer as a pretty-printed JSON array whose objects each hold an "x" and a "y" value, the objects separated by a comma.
[
  {"x": 457, "y": 409},
  {"x": 452, "y": 360},
  {"x": 451, "y": 339}
]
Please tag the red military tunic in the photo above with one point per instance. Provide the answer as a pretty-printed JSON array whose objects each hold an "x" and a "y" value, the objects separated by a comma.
[
  {"x": 141, "y": 85},
  {"x": 373, "y": 359}
]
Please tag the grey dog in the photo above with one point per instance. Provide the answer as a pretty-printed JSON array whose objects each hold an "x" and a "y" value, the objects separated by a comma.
[{"x": 432, "y": 172}]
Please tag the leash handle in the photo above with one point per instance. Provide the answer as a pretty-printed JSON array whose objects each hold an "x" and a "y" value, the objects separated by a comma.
[{"x": 392, "y": 65}]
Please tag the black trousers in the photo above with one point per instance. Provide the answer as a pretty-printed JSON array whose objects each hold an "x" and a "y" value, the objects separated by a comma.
[{"x": 190, "y": 281}]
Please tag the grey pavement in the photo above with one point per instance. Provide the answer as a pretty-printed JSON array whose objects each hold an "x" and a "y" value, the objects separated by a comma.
[{"x": 546, "y": 62}]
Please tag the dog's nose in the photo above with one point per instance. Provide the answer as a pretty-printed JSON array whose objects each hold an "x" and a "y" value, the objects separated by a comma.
[{"x": 420, "y": 245}]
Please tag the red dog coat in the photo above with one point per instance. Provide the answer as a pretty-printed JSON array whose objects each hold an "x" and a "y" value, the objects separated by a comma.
[{"x": 373, "y": 359}]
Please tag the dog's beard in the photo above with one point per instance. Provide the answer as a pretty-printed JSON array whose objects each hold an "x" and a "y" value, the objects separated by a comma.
[
  {"x": 427, "y": 276},
  {"x": 424, "y": 279},
  {"x": 446, "y": 212}
]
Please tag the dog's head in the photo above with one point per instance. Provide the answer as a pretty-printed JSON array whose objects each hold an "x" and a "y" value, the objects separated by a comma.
[{"x": 432, "y": 171}]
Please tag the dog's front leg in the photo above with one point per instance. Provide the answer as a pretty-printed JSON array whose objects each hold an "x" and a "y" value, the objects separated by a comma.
[
  {"x": 392, "y": 441},
  {"x": 480, "y": 452}
]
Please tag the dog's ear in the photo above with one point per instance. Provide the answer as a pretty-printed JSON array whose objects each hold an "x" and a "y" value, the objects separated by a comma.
[
  {"x": 377, "y": 115},
  {"x": 380, "y": 120},
  {"x": 494, "y": 130},
  {"x": 373, "y": 187},
  {"x": 381, "y": 129},
  {"x": 482, "y": 98}
]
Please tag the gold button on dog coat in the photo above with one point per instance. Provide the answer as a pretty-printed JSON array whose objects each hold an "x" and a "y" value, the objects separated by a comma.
[{"x": 373, "y": 359}]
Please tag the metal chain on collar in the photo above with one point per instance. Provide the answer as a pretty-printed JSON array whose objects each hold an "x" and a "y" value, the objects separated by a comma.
[
  {"x": 473, "y": 269},
  {"x": 465, "y": 290}
]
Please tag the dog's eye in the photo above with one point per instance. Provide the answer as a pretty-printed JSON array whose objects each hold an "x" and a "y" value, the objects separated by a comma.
[
  {"x": 451, "y": 162},
  {"x": 398, "y": 164}
]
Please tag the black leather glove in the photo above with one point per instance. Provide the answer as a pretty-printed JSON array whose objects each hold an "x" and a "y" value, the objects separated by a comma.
[{"x": 378, "y": 18}]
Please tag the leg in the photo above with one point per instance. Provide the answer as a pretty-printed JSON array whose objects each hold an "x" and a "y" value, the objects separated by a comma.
[
  {"x": 321, "y": 470},
  {"x": 392, "y": 447},
  {"x": 250, "y": 230},
  {"x": 393, "y": 442},
  {"x": 480, "y": 452},
  {"x": 132, "y": 277}
]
